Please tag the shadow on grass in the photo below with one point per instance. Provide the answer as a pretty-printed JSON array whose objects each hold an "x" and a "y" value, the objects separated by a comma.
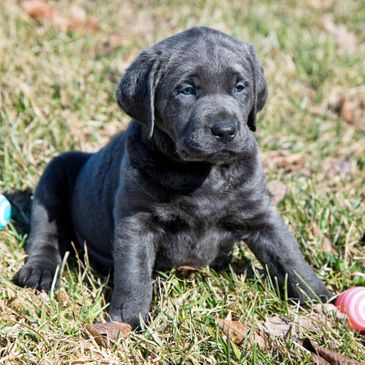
[{"x": 21, "y": 203}]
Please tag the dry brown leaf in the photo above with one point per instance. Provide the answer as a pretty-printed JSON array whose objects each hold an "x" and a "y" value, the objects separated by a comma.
[
  {"x": 327, "y": 246},
  {"x": 281, "y": 159},
  {"x": 76, "y": 20},
  {"x": 352, "y": 110},
  {"x": 277, "y": 191},
  {"x": 308, "y": 324},
  {"x": 186, "y": 270},
  {"x": 260, "y": 341},
  {"x": 345, "y": 40},
  {"x": 277, "y": 326},
  {"x": 315, "y": 229},
  {"x": 87, "y": 25},
  {"x": 332, "y": 357},
  {"x": 39, "y": 9},
  {"x": 236, "y": 331},
  {"x": 106, "y": 334},
  {"x": 349, "y": 104}
]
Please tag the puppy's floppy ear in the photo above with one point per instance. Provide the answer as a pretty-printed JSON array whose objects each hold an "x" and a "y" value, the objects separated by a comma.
[
  {"x": 136, "y": 89},
  {"x": 259, "y": 88}
]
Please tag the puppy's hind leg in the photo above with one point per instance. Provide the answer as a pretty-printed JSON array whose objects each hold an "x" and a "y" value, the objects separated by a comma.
[{"x": 51, "y": 228}]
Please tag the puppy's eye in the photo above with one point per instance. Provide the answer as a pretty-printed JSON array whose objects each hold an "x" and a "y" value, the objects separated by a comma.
[
  {"x": 240, "y": 87},
  {"x": 188, "y": 90}
]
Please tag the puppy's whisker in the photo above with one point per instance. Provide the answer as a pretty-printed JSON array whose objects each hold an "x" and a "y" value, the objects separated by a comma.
[{"x": 188, "y": 139}]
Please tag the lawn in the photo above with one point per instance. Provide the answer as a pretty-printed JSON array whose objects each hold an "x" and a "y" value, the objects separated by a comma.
[{"x": 58, "y": 73}]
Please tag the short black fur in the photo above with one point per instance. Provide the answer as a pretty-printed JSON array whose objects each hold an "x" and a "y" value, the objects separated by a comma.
[{"x": 179, "y": 187}]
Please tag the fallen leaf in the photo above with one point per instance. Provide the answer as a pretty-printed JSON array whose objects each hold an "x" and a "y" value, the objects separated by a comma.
[
  {"x": 277, "y": 191},
  {"x": 306, "y": 323},
  {"x": 327, "y": 246},
  {"x": 260, "y": 342},
  {"x": 39, "y": 9},
  {"x": 187, "y": 270},
  {"x": 331, "y": 357},
  {"x": 352, "y": 110},
  {"x": 345, "y": 40},
  {"x": 277, "y": 326},
  {"x": 76, "y": 20},
  {"x": 236, "y": 331},
  {"x": 349, "y": 104},
  {"x": 87, "y": 25},
  {"x": 106, "y": 334},
  {"x": 282, "y": 159},
  {"x": 315, "y": 229}
]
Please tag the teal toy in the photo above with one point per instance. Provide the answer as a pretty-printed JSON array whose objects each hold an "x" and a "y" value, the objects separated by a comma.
[{"x": 5, "y": 211}]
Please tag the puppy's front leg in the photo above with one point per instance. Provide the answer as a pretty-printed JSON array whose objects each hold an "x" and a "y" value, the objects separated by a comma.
[
  {"x": 276, "y": 248},
  {"x": 134, "y": 257}
]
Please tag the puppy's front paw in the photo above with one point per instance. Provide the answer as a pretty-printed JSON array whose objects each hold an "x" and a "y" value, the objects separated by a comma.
[
  {"x": 37, "y": 275},
  {"x": 129, "y": 313}
]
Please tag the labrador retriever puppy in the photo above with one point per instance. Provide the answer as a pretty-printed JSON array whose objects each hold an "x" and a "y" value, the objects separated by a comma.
[{"x": 179, "y": 187}]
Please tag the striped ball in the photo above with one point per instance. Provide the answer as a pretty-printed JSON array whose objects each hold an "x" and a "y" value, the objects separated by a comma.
[
  {"x": 352, "y": 303},
  {"x": 5, "y": 211}
]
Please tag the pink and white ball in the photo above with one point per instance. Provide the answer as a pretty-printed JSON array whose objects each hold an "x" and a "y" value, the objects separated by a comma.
[
  {"x": 352, "y": 303},
  {"x": 5, "y": 211}
]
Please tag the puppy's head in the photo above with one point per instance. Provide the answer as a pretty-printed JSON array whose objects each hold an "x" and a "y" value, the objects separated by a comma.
[{"x": 202, "y": 88}]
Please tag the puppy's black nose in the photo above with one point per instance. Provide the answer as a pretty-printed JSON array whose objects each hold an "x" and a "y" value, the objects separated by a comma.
[{"x": 224, "y": 132}]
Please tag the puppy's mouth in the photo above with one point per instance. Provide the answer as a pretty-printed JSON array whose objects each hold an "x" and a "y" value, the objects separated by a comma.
[{"x": 188, "y": 153}]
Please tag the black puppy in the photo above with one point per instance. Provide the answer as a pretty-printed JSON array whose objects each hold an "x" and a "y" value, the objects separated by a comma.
[{"x": 179, "y": 187}]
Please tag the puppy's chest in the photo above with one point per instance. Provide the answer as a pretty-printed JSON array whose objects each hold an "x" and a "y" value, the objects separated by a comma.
[{"x": 193, "y": 232}]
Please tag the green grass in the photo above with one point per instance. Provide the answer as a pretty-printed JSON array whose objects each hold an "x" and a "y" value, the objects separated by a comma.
[{"x": 57, "y": 93}]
